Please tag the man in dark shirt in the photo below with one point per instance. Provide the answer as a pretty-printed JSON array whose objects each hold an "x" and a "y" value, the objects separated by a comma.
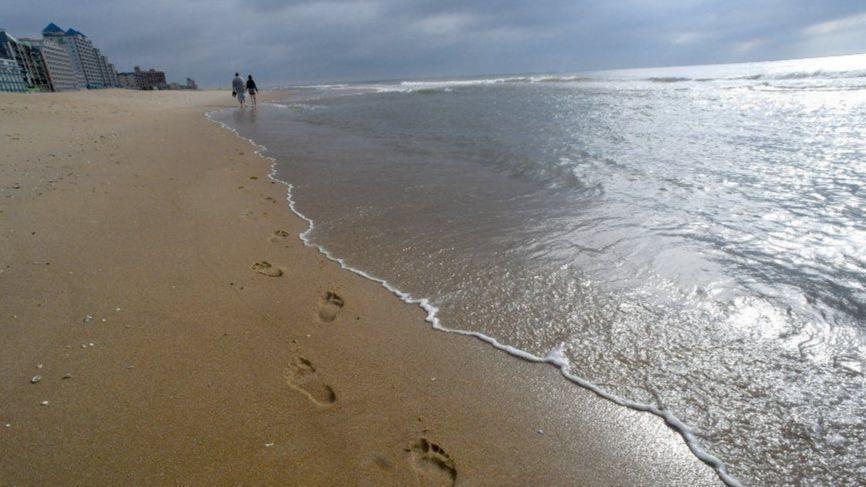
[{"x": 252, "y": 89}]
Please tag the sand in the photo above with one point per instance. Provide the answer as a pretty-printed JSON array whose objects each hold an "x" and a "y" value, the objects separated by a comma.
[{"x": 151, "y": 275}]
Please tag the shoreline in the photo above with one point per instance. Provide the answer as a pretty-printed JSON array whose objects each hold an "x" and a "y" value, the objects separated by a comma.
[
  {"x": 313, "y": 376},
  {"x": 553, "y": 358}
]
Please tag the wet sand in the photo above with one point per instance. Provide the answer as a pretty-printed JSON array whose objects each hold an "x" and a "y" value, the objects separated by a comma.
[{"x": 152, "y": 277}]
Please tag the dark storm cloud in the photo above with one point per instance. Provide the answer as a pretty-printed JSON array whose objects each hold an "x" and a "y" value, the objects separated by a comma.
[{"x": 296, "y": 41}]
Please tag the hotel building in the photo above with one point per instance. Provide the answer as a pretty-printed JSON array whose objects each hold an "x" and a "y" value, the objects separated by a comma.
[
  {"x": 10, "y": 76},
  {"x": 88, "y": 58},
  {"x": 61, "y": 75},
  {"x": 112, "y": 75},
  {"x": 150, "y": 79},
  {"x": 58, "y": 35},
  {"x": 32, "y": 71},
  {"x": 92, "y": 68},
  {"x": 107, "y": 71},
  {"x": 128, "y": 81}
]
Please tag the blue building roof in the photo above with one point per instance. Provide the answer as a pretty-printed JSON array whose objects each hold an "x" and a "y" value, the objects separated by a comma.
[
  {"x": 52, "y": 28},
  {"x": 73, "y": 32},
  {"x": 5, "y": 37}
]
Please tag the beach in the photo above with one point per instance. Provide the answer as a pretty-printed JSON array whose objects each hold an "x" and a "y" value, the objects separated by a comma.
[{"x": 162, "y": 323}]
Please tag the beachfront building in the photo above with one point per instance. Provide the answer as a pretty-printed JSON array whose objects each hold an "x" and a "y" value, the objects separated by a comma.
[
  {"x": 55, "y": 62},
  {"x": 61, "y": 60},
  {"x": 93, "y": 70},
  {"x": 30, "y": 63},
  {"x": 150, "y": 79},
  {"x": 10, "y": 76},
  {"x": 36, "y": 66},
  {"x": 10, "y": 49},
  {"x": 88, "y": 58},
  {"x": 109, "y": 77},
  {"x": 56, "y": 34},
  {"x": 128, "y": 81},
  {"x": 190, "y": 84},
  {"x": 103, "y": 67},
  {"x": 30, "y": 56},
  {"x": 112, "y": 75}
]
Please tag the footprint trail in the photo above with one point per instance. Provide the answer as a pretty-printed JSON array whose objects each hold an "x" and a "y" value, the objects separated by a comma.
[
  {"x": 330, "y": 306},
  {"x": 301, "y": 375},
  {"x": 431, "y": 464}
]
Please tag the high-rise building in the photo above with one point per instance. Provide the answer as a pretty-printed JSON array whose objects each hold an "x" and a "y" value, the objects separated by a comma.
[
  {"x": 103, "y": 67},
  {"x": 107, "y": 71},
  {"x": 91, "y": 67},
  {"x": 150, "y": 79},
  {"x": 57, "y": 63},
  {"x": 112, "y": 73},
  {"x": 61, "y": 60},
  {"x": 10, "y": 48},
  {"x": 10, "y": 76},
  {"x": 128, "y": 81},
  {"x": 58, "y": 35},
  {"x": 30, "y": 61},
  {"x": 36, "y": 65},
  {"x": 88, "y": 58},
  {"x": 44, "y": 64}
]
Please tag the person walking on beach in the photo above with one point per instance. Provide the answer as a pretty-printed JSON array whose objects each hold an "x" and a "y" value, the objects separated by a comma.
[
  {"x": 252, "y": 89},
  {"x": 239, "y": 89}
]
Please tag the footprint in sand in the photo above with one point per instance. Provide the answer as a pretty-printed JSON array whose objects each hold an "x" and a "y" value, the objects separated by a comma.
[
  {"x": 279, "y": 236},
  {"x": 330, "y": 306},
  {"x": 302, "y": 376},
  {"x": 268, "y": 269},
  {"x": 432, "y": 465}
]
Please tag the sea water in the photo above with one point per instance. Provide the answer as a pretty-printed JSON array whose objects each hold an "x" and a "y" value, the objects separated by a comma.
[{"x": 690, "y": 241}]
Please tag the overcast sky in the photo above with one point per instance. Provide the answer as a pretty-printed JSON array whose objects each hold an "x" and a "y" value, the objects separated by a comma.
[{"x": 288, "y": 41}]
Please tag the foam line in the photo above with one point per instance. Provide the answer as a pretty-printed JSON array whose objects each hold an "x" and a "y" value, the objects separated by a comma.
[{"x": 554, "y": 357}]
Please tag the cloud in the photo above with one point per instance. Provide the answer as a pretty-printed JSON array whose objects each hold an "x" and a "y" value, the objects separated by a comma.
[
  {"x": 747, "y": 46},
  {"x": 295, "y": 41},
  {"x": 840, "y": 35},
  {"x": 445, "y": 24},
  {"x": 686, "y": 38},
  {"x": 857, "y": 21}
]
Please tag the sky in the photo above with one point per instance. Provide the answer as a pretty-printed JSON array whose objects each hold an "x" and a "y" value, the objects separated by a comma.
[{"x": 284, "y": 42}]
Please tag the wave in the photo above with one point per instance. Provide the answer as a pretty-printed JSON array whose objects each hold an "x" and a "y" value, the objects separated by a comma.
[
  {"x": 297, "y": 107},
  {"x": 326, "y": 86},
  {"x": 556, "y": 357},
  {"x": 831, "y": 68},
  {"x": 560, "y": 79},
  {"x": 814, "y": 88},
  {"x": 426, "y": 87},
  {"x": 463, "y": 82},
  {"x": 668, "y": 79},
  {"x": 795, "y": 75},
  {"x": 439, "y": 86}
]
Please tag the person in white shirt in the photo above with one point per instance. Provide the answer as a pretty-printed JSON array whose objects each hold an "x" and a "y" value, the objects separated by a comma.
[{"x": 239, "y": 89}]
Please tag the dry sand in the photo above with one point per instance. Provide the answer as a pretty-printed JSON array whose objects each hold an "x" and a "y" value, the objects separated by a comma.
[{"x": 130, "y": 229}]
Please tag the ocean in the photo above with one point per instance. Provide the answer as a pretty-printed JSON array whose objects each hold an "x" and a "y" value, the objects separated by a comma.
[{"x": 688, "y": 241}]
